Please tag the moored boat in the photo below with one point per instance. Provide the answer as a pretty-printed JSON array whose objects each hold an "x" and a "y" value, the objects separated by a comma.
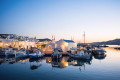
[
  {"x": 56, "y": 54},
  {"x": 82, "y": 54},
  {"x": 98, "y": 51},
  {"x": 9, "y": 52},
  {"x": 36, "y": 54},
  {"x": 21, "y": 54},
  {"x": 118, "y": 48}
]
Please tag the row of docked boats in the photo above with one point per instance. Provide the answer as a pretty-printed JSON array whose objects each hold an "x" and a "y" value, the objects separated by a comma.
[
  {"x": 21, "y": 53},
  {"x": 87, "y": 52},
  {"x": 81, "y": 53}
]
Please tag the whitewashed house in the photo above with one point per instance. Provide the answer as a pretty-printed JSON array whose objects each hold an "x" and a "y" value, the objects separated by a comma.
[
  {"x": 64, "y": 45},
  {"x": 11, "y": 40},
  {"x": 50, "y": 46}
]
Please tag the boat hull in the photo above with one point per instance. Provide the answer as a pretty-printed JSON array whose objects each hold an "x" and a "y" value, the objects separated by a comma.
[
  {"x": 35, "y": 56},
  {"x": 81, "y": 57},
  {"x": 98, "y": 52},
  {"x": 56, "y": 56}
]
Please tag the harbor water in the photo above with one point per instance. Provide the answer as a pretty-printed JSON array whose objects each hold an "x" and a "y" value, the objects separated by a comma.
[{"x": 98, "y": 68}]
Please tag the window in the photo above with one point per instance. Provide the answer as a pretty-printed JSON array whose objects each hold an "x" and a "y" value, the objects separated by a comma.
[{"x": 49, "y": 47}]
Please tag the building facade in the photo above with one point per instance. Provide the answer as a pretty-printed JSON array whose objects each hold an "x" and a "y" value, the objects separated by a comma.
[
  {"x": 11, "y": 40},
  {"x": 64, "y": 45}
]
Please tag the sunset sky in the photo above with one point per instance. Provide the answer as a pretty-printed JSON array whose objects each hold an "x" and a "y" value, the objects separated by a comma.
[{"x": 100, "y": 19}]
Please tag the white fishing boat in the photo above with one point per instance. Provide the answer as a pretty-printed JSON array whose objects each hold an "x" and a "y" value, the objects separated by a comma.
[
  {"x": 81, "y": 55},
  {"x": 37, "y": 54},
  {"x": 21, "y": 53},
  {"x": 56, "y": 54},
  {"x": 9, "y": 52},
  {"x": 73, "y": 49}
]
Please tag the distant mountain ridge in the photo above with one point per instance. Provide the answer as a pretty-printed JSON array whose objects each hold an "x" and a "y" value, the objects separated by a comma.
[{"x": 110, "y": 42}]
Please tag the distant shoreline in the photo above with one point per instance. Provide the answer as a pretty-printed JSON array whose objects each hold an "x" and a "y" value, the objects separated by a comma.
[{"x": 113, "y": 45}]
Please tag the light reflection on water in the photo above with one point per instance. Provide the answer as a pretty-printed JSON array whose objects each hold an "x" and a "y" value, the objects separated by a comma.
[{"x": 99, "y": 67}]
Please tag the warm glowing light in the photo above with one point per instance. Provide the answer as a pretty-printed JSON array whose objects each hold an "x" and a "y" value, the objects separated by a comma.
[
  {"x": 66, "y": 44},
  {"x": 64, "y": 63},
  {"x": 49, "y": 59},
  {"x": 23, "y": 60}
]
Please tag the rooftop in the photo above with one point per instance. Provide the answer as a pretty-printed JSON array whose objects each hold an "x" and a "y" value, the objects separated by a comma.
[
  {"x": 46, "y": 39},
  {"x": 69, "y": 41}
]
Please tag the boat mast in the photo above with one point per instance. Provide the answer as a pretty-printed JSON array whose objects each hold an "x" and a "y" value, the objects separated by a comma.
[{"x": 84, "y": 37}]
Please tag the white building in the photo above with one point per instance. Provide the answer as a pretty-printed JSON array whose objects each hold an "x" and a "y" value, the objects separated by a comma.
[
  {"x": 17, "y": 43},
  {"x": 12, "y": 40},
  {"x": 65, "y": 45},
  {"x": 50, "y": 47}
]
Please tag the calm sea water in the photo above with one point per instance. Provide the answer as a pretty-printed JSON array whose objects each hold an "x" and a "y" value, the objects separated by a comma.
[{"x": 98, "y": 68}]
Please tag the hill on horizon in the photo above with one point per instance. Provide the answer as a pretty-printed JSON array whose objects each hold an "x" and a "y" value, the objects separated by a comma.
[{"x": 110, "y": 42}]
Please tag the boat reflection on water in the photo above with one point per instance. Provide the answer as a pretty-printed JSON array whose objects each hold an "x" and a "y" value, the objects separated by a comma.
[
  {"x": 79, "y": 63},
  {"x": 9, "y": 60},
  {"x": 12, "y": 60},
  {"x": 100, "y": 57},
  {"x": 55, "y": 63},
  {"x": 66, "y": 61},
  {"x": 2, "y": 60},
  {"x": 60, "y": 63},
  {"x": 35, "y": 63}
]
